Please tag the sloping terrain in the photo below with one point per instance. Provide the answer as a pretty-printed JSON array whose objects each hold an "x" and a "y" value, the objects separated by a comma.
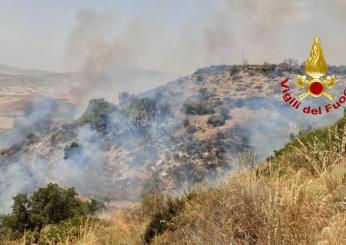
[
  {"x": 162, "y": 141},
  {"x": 295, "y": 197},
  {"x": 298, "y": 197}
]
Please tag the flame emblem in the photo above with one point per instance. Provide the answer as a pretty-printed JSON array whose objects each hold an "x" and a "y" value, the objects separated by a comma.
[{"x": 316, "y": 67}]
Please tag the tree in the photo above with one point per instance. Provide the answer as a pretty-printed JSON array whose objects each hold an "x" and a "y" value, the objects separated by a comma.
[
  {"x": 52, "y": 204},
  {"x": 20, "y": 210},
  {"x": 49, "y": 205},
  {"x": 143, "y": 112},
  {"x": 19, "y": 220}
]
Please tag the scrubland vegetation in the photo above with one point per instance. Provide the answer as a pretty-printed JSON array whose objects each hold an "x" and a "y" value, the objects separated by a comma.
[
  {"x": 47, "y": 206},
  {"x": 295, "y": 197}
]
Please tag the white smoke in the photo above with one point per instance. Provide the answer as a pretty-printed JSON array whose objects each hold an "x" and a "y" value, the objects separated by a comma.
[{"x": 84, "y": 170}]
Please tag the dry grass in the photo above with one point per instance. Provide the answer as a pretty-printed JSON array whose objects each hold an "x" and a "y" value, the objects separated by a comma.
[
  {"x": 122, "y": 227},
  {"x": 296, "y": 198}
]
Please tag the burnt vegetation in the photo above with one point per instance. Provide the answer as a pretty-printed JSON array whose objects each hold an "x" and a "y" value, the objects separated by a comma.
[
  {"x": 196, "y": 107},
  {"x": 216, "y": 120},
  {"x": 145, "y": 112},
  {"x": 133, "y": 114},
  {"x": 73, "y": 149}
]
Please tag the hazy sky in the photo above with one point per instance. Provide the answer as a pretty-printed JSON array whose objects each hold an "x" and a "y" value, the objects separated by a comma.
[{"x": 174, "y": 36}]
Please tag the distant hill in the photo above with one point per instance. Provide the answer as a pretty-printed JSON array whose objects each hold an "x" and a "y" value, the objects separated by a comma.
[
  {"x": 19, "y": 86},
  {"x": 9, "y": 70}
]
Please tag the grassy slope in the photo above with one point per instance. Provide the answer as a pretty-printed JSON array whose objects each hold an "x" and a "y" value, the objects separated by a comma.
[{"x": 296, "y": 197}]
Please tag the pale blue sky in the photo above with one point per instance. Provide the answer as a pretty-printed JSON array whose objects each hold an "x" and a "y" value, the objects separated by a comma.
[{"x": 175, "y": 36}]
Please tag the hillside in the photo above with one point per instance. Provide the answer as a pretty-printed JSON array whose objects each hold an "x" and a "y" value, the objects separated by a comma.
[
  {"x": 166, "y": 140},
  {"x": 296, "y": 197}
]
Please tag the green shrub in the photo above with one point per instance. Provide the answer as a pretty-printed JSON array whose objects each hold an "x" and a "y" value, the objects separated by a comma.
[
  {"x": 311, "y": 135},
  {"x": 49, "y": 205}
]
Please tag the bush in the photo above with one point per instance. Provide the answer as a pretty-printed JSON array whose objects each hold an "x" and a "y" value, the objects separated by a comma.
[
  {"x": 144, "y": 112},
  {"x": 49, "y": 205},
  {"x": 224, "y": 111},
  {"x": 69, "y": 230},
  {"x": 267, "y": 68},
  {"x": 97, "y": 114},
  {"x": 190, "y": 129},
  {"x": 197, "y": 108},
  {"x": 165, "y": 210},
  {"x": 186, "y": 122},
  {"x": 204, "y": 94},
  {"x": 199, "y": 79},
  {"x": 234, "y": 70},
  {"x": 216, "y": 120},
  {"x": 73, "y": 148}
]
